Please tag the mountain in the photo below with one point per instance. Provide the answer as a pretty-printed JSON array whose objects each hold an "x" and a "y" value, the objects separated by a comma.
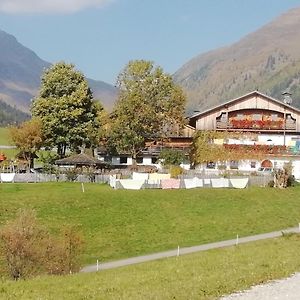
[
  {"x": 267, "y": 60},
  {"x": 10, "y": 115},
  {"x": 20, "y": 76}
]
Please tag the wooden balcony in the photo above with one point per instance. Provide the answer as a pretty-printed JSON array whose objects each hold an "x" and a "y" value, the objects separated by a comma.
[
  {"x": 155, "y": 150},
  {"x": 256, "y": 125}
]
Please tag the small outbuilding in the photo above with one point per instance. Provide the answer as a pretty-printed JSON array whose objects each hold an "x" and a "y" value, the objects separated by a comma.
[{"x": 81, "y": 160}]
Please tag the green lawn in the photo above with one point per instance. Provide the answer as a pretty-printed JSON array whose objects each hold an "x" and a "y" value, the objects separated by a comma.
[
  {"x": 123, "y": 223},
  {"x": 4, "y": 136},
  {"x": 9, "y": 153},
  {"x": 5, "y": 141},
  {"x": 205, "y": 275}
]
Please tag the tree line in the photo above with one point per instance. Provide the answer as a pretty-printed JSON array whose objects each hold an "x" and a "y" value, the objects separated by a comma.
[
  {"x": 65, "y": 114},
  {"x": 11, "y": 115}
]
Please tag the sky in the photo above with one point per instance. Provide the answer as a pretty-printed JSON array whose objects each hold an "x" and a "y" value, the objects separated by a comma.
[{"x": 101, "y": 36}]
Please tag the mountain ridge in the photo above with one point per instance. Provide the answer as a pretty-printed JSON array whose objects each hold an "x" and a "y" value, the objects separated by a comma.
[
  {"x": 20, "y": 76},
  {"x": 267, "y": 59}
]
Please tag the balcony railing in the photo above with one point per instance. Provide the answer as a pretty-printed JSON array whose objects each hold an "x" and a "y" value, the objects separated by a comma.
[
  {"x": 280, "y": 150},
  {"x": 155, "y": 150},
  {"x": 256, "y": 125}
]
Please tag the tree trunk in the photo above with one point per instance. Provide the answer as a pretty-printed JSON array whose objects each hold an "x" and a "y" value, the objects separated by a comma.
[
  {"x": 134, "y": 165},
  {"x": 31, "y": 163}
]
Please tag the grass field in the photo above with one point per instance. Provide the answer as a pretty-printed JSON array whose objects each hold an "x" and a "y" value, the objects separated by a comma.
[
  {"x": 9, "y": 153},
  {"x": 5, "y": 141},
  {"x": 4, "y": 136},
  {"x": 205, "y": 275},
  {"x": 122, "y": 223}
]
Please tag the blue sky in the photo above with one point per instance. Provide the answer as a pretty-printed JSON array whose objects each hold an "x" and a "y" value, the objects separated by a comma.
[{"x": 101, "y": 36}]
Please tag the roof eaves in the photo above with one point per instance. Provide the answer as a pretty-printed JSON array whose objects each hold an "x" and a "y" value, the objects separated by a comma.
[{"x": 241, "y": 97}]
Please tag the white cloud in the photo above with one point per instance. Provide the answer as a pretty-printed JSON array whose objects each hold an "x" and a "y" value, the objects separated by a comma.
[{"x": 48, "y": 6}]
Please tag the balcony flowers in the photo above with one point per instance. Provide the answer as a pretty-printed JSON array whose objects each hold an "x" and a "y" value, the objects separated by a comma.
[{"x": 257, "y": 124}]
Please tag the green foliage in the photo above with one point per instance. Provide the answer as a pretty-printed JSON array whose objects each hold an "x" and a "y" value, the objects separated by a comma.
[
  {"x": 204, "y": 149},
  {"x": 66, "y": 107},
  {"x": 150, "y": 106},
  {"x": 171, "y": 157},
  {"x": 48, "y": 159}
]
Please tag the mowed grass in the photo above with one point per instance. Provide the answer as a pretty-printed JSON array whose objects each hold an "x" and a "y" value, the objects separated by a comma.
[
  {"x": 4, "y": 136},
  {"x": 9, "y": 153},
  {"x": 205, "y": 275},
  {"x": 5, "y": 141},
  {"x": 123, "y": 223}
]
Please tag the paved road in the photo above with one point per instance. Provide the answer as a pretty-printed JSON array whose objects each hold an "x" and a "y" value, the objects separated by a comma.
[
  {"x": 187, "y": 250},
  {"x": 7, "y": 147}
]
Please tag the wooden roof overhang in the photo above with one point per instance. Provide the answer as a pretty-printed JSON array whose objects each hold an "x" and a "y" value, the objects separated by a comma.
[{"x": 194, "y": 117}]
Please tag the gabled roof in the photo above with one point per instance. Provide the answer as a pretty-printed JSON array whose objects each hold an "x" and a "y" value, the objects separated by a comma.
[
  {"x": 79, "y": 159},
  {"x": 257, "y": 93}
]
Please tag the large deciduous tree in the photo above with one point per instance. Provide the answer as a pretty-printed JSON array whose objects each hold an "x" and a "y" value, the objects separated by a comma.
[
  {"x": 66, "y": 107},
  {"x": 150, "y": 106}
]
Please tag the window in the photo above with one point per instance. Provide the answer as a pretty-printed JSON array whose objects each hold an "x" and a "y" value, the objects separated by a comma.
[
  {"x": 222, "y": 165},
  {"x": 139, "y": 160},
  {"x": 108, "y": 159},
  {"x": 153, "y": 160},
  {"x": 123, "y": 160},
  {"x": 223, "y": 117},
  {"x": 234, "y": 164},
  {"x": 210, "y": 165},
  {"x": 274, "y": 117},
  {"x": 256, "y": 117},
  {"x": 239, "y": 116},
  {"x": 253, "y": 164}
]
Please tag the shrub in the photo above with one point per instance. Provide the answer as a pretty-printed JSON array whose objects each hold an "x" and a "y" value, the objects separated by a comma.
[
  {"x": 48, "y": 159},
  {"x": 28, "y": 249},
  {"x": 90, "y": 172},
  {"x": 283, "y": 177},
  {"x": 171, "y": 157},
  {"x": 71, "y": 174},
  {"x": 21, "y": 245},
  {"x": 175, "y": 171},
  {"x": 62, "y": 254}
]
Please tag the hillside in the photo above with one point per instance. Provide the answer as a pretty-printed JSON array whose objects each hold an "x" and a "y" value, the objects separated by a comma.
[
  {"x": 267, "y": 59},
  {"x": 10, "y": 115},
  {"x": 20, "y": 73}
]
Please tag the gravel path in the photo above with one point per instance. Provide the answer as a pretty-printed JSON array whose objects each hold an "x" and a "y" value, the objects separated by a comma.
[{"x": 275, "y": 290}]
